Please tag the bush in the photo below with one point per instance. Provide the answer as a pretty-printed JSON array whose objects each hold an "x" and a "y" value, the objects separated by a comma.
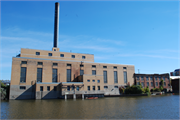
[
  {"x": 134, "y": 89},
  {"x": 156, "y": 90},
  {"x": 121, "y": 89}
]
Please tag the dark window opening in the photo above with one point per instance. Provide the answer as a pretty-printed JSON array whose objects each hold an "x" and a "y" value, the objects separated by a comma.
[
  {"x": 55, "y": 88},
  {"x": 81, "y": 72},
  {"x": 23, "y": 74},
  {"x": 98, "y": 87},
  {"x": 124, "y": 68},
  {"x": 49, "y": 54},
  {"x": 22, "y": 87},
  {"x": 73, "y": 56},
  {"x": 88, "y": 87},
  {"x": 105, "y": 87},
  {"x": 115, "y": 86},
  {"x": 54, "y": 75},
  {"x": 115, "y": 67},
  {"x": 68, "y": 88},
  {"x": 83, "y": 57},
  {"x": 68, "y": 64},
  {"x": 39, "y": 74},
  {"x": 81, "y": 65},
  {"x": 93, "y": 66},
  {"x": 40, "y": 63},
  {"x": 105, "y": 76},
  {"x": 37, "y": 53},
  {"x": 104, "y": 66},
  {"x": 41, "y": 88},
  {"x": 61, "y": 55},
  {"x": 55, "y": 64},
  {"x": 23, "y": 62},
  {"x": 48, "y": 88},
  {"x": 68, "y": 75},
  {"x": 93, "y": 87}
]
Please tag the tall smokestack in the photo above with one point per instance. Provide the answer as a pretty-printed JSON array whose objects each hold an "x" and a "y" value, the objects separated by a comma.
[{"x": 56, "y": 24}]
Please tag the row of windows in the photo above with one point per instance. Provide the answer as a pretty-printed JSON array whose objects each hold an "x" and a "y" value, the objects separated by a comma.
[
  {"x": 54, "y": 75},
  {"x": 61, "y": 55},
  {"x": 55, "y": 64},
  {"x": 147, "y": 83},
  {"x": 93, "y": 87},
  {"x": 151, "y": 78},
  {"x": 41, "y": 88}
]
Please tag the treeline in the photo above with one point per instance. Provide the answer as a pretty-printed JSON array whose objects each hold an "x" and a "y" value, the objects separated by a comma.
[{"x": 4, "y": 91}]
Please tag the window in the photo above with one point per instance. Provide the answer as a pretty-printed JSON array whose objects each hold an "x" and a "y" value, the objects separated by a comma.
[
  {"x": 54, "y": 49},
  {"x": 54, "y": 75},
  {"x": 125, "y": 77},
  {"x": 98, "y": 87},
  {"x": 93, "y": 66},
  {"x": 93, "y": 87},
  {"x": 68, "y": 64},
  {"x": 37, "y": 53},
  {"x": 68, "y": 88},
  {"x": 22, "y": 87},
  {"x": 88, "y": 87},
  {"x": 151, "y": 78},
  {"x": 164, "y": 78},
  {"x": 61, "y": 55},
  {"x": 23, "y": 74},
  {"x": 23, "y": 62},
  {"x": 137, "y": 83},
  {"x": 81, "y": 72},
  {"x": 93, "y": 72},
  {"x": 164, "y": 84},
  {"x": 68, "y": 75},
  {"x": 48, "y": 88},
  {"x": 41, "y": 88},
  {"x": 72, "y": 87},
  {"x": 115, "y": 67},
  {"x": 98, "y": 81},
  {"x": 105, "y": 76},
  {"x": 155, "y": 78},
  {"x": 77, "y": 88},
  {"x": 49, "y": 54},
  {"x": 147, "y": 78},
  {"x": 156, "y": 83},
  {"x": 137, "y": 77},
  {"x": 93, "y": 80},
  {"x": 115, "y": 77},
  {"x": 81, "y": 65},
  {"x": 147, "y": 84},
  {"x": 55, "y": 88},
  {"x": 124, "y": 68},
  {"x": 142, "y": 83},
  {"x": 159, "y": 78},
  {"x": 39, "y": 74},
  {"x": 104, "y": 66},
  {"x": 142, "y": 78},
  {"x": 55, "y": 64},
  {"x": 105, "y": 87},
  {"x": 88, "y": 80},
  {"x": 73, "y": 56},
  {"x": 83, "y": 57},
  {"x": 40, "y": 63},
  {"x": 115, "y": 86},
  {"x": 151, "y": 84}
]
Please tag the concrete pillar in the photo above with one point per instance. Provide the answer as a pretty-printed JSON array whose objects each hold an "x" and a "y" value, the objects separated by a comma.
[
  {"x": 65, "y": 97},
  {"x": 74, "y": 96},
  {"x": 82, "y": 96}
]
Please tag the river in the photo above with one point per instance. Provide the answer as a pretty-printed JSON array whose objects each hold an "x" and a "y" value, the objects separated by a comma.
[{"x": 142, "y": 107}]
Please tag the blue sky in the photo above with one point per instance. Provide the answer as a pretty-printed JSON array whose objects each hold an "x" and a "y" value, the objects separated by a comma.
[{"x": 140, "y": 33}]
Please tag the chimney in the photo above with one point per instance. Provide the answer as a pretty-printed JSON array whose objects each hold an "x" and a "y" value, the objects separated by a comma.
[{"x": 56, "y": 24}]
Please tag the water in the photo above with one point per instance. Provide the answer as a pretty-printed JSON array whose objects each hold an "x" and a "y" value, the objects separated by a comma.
[{"x": 144, "y": 107}]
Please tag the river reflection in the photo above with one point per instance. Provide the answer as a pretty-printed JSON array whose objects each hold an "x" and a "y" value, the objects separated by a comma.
[{"x": 145, "y": 107}]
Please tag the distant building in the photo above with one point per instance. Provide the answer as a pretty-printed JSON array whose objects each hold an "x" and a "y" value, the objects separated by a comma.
[
  {"x": 6, "y": 82},
  {"x": 175, "y": 73},
  {"x": 152, "y": 80}
]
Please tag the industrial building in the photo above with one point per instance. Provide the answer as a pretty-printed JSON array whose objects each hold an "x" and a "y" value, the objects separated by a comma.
[{"x": 41, "y": 74}]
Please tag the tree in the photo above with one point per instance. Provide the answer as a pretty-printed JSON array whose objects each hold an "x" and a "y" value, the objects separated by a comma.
[{"x": 161, "y": 87}]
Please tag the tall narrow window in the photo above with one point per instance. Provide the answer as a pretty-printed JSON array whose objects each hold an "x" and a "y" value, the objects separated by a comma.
[
  {"x": 98, "y": 87},
  {"x": 88, "y": 87},
  {"x": 41, "y": 88},
  {"x": 39, "y": 74},
  {"x": 68, "y": 75},
  {"x": 125, "y": 77},
  {"x": 93, "y": 87},
  {"x": 48, "y": 88},
  {"x": 54, "y": 75},
  {"x": 147, "y": 84},
  {"x": 93, "y": 72},
  {"x": 105, "y": 76},
  {"x": 81, "y": 72},
  {"x": 115, "y": 77},
  {"x": 23, "y": 74}
]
